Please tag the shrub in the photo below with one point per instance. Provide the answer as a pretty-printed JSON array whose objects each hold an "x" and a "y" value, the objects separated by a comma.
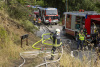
[{"x": 28, "y": 26}]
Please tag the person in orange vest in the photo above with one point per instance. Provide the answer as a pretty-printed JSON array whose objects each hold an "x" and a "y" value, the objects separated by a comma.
[
  {"x": 39, "y": 22},
  {"x": 34, "y": 20},
  {"x": 50, "y": 22}
]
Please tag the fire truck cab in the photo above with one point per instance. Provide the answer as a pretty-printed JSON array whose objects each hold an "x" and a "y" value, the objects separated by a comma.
[
  {"x": 45, "y": 13},
  {"x": 74, "y": 21}
]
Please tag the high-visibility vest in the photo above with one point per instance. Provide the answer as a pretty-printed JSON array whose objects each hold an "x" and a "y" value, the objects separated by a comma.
[
  {"x": 34, "y": 19},
  {"x": 81, "y": 37}
]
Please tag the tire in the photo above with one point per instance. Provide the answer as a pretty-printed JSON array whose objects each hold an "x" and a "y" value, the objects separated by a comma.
[
  {"x": 55, "y": 23},
  {"x": 76, "y": 36},
  {"x": 63, "y": 28}
]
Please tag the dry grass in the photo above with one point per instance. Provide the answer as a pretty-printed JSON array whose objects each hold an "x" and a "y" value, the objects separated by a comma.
[
  {"x": 10, "y": 40},
  {"x": 8, "y": 50},
  {"x": 68, "y": 61}
]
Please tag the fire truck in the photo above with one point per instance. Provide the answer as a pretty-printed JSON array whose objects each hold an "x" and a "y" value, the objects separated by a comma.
[
  {"x": 74, "y": 21},
  {"x": 45, "y": 13}
]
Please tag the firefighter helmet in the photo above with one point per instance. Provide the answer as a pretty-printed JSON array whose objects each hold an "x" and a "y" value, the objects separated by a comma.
[{"x": 58, "y": 31}]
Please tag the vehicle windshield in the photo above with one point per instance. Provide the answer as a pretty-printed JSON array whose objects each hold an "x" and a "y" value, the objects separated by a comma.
[
  {"x": 52, "y": 17},
  {"x": 51, "y": 12}
]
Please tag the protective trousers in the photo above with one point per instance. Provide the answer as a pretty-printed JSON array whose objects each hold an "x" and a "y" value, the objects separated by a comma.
[{"x": 52, "y": 52}]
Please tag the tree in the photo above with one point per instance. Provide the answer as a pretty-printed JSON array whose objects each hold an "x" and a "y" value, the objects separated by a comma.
[
  {"x": 73, "y": 5},
  {"x": 57, "y": 4}
]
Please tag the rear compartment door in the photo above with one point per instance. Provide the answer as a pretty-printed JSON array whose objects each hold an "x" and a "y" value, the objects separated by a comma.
[{"x": 73, "y": 19}]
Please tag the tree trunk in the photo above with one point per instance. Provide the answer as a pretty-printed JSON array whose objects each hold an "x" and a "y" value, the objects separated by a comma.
[{"x": 7, "y": 2}]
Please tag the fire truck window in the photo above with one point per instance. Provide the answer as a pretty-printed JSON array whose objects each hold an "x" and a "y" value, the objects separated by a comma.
[
  {"x": 55, "y": 17},
  {"x": 68, "y": 17},
  {"x": 78, "y": 21},
  {"x": 83, "y": 20},
  {"x": 47, "y": 17}
]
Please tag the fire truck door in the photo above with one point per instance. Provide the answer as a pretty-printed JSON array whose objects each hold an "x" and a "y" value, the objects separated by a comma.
[{"x": 73, "y": 19}]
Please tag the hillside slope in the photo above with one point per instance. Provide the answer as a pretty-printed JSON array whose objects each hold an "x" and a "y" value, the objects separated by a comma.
[{"x": 10, "y": 32}]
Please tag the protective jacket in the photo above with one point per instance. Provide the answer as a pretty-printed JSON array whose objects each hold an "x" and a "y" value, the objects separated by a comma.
[
  {"x": 56, "y": 39},
  {"x": 85, "y": 31},
  {"x": 81, "y": 36}
]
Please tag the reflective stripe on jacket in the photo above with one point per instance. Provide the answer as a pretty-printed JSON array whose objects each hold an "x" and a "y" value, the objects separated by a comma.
[{"x": 81, "y": 36}]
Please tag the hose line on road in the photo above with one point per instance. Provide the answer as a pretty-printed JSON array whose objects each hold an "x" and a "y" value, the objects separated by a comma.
[
  {"x": 51, "y": 61},
  {"x": 43, "y": 42},
  {"x": 34, "y": 48}
]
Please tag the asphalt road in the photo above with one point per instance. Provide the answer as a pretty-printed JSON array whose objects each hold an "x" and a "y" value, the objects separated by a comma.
[{"x": 68, "y": 40}]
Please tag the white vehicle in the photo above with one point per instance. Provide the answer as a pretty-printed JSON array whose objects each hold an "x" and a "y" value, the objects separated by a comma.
[{"x": 45, "y": 13}]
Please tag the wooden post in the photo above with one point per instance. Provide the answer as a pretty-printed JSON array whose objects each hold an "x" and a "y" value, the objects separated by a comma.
[
  {"x": 21, "y": 42},
  {"x": 27, "y": 41}
]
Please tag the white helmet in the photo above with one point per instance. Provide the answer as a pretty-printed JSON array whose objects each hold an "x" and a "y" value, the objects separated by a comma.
[{"x": 58, "y": 31}]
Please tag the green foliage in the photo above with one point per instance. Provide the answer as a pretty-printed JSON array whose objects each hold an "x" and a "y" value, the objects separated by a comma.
[
  {"x": 28, "y": 26},
  {"x": 97, "y": 4},
  {"x": 1, "y": 5},
  {"x": 3, "y": 37},
  {"x": 26, "y": 2},
  {"x": 41, "y": 3},
  {"x": 18, "y": 11},
  {"x": 73, "y": 5},
  {"x": 3, "y": 33},
  {"x": 60, "y": 4}
]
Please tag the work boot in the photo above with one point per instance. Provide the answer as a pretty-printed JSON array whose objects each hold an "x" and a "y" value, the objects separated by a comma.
[{"x": 51, "y": 58}]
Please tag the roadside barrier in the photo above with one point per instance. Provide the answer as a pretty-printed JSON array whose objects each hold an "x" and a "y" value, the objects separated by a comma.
[
  {"x": 24, "y": 37},
  {"x": 75, "y": 53}
]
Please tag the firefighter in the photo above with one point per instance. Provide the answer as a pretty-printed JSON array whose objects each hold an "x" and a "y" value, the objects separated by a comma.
[
  {"x": 56, "y": 40},
  {"x": 94, "y": 35},
  {"x": 84, "y": 30},
  {"x": 81, "y": 39},
  {"x": 98, "y": 49},
  {"x": 78, "y": 40},
  {"x": 50, "y": 22},
  {"x": 85, "y": 33},
  {"x": 34, "y": 20},
  {"x": 39, "y": 22}
]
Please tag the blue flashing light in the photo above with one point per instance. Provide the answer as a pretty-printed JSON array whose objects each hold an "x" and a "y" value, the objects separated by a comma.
[
  {"x": 86, "y": 16},
  {"x": 46, "y": 8}
]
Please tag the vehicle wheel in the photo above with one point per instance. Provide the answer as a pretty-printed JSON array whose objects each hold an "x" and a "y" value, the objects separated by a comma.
[
  {"x": 55, "y": 23},
  {"x": 76, "y": 38},
  {"x": 63, "y": 28}
]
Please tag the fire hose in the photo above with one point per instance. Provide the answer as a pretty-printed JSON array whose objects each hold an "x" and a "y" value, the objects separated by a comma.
[
  {"x": 43, "y": 42},
  {"x": 32, "y": 52}
]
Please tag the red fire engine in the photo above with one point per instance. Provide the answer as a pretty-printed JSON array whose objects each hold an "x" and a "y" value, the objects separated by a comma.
[
  {"x": 74, "y": 21},
  {"x": 45, "y": 13}
]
